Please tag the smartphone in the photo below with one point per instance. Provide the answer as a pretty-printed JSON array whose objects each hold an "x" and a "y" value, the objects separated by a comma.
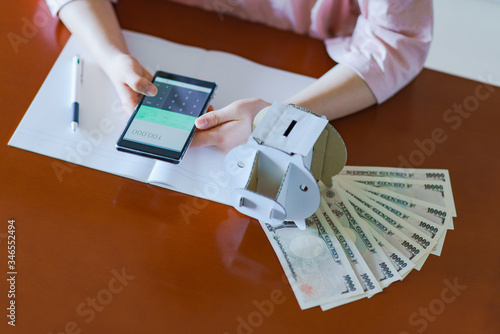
[{"x": 162, "y": 126}]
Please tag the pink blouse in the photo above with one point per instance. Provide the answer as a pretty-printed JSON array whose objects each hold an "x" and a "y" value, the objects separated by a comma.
[{"x": 384, "y": 41}]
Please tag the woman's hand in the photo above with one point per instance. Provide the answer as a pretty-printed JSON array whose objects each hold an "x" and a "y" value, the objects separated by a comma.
[
  {"x": 228, "y": 127},
  {"x": 96, "y": 26},
  {"x": 131, "y": 80}
]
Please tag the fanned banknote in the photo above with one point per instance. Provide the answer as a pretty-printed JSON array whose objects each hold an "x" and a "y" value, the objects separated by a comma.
[
  {"x": 374, "y": 256},
  {"x": 374, "y": 225},
  {"x": 406, "y": 210},
  {"x": 404, "y": 173},
  {"x": 431, "y": 191},
  {"x": 316, "y": 266}
]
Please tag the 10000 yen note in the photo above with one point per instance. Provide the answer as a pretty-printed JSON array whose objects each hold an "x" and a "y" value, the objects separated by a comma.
[
  {"x": 402, "y": 264},
  {"x": 363, "y": 272},
  {"x": 403, "y": 173},
  {"x": 434, "y": 230},
  {"x": 333, "y": 227},
  {"x": 404, "y": 244},
  {"x": 435, "y": 213},
  {"x": 430, "y": 191},
  {"x": 418, "y": 235},
  {"x": 314, "y": 263},
  {"x": 380, "y": 265}
]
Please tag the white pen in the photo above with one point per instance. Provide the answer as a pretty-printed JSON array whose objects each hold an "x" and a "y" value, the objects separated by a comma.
[{"x": 75, "y": 90}]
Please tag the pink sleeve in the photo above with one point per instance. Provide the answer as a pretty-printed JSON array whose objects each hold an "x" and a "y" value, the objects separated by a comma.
[{"x": 389, "y": 44}]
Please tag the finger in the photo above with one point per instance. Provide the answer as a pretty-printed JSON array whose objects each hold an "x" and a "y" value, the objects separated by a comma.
[
  {"x": 140, "y": 84},
  {"x": 201, "y": 123},
  {"x": 214, "y": 118}
]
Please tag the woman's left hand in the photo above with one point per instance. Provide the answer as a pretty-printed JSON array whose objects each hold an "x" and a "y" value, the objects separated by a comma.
[{"x": 228, "y": 127}]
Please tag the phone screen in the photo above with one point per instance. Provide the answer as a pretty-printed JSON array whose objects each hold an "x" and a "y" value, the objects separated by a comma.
[{"x": 162, "y": 125}]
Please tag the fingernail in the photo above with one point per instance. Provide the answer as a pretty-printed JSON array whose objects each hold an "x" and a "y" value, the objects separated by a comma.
[
  {"x": 151, "y": 91},
  {"x": 201, "y": 122}
]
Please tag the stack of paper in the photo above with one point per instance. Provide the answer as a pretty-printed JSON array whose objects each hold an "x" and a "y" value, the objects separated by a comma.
[{"x": 374, "y": 226}]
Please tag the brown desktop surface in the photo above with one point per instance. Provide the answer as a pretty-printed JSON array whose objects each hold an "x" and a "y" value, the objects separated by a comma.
[{"x": 98, "y": 253}]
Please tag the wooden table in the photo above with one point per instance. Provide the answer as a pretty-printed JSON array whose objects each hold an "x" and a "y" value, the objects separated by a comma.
[{"x": 97, "y": 253}]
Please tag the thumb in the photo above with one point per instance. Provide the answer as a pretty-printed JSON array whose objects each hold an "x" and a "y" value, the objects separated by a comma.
[
  {"x": 140, "y": 84},
  {"x": 213, "y": 119}
]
